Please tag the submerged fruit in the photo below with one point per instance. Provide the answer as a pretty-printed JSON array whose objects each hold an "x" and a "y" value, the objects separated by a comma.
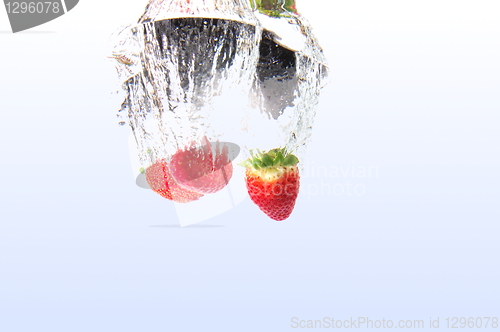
[
  {"x": 160, "y": 180},
  {"x": 201, "y": 168}
]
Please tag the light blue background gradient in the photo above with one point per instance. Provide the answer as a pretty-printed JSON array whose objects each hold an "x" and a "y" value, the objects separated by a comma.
[{"x": 414, "y": 92}]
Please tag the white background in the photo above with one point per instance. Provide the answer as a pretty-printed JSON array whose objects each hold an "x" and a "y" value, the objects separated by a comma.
[{"x": 414, "y": 92}]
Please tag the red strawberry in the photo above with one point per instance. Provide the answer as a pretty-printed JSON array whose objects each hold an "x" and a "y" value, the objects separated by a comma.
[
  {"x": 273, "y": 181},
  {"x": 161, "y": 181},
  {"x": 197, "y": 169}
]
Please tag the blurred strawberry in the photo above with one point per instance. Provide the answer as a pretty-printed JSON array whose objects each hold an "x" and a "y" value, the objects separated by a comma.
[
  {"x": 160, "y": 180},
  {"x": 201, "y": 168}
]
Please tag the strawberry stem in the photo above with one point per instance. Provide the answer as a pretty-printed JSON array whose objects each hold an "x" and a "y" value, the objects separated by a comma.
[{"x": 273, "y": 158}]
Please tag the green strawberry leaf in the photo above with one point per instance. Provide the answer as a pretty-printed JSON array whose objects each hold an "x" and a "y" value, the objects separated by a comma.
[
  {"x": 279, "y": 158},
  {"x": 272, "y": 153},
  {"x": 267, "y": 160},
  {"x": 272, "y": 158},
  {"x": 258, "y": 164},
  {"x": 290, "y": 160},
  {"x": 245, "y": 163}
]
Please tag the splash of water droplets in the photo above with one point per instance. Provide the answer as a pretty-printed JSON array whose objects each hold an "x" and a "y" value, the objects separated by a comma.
[{"x": 216, "y": 68}]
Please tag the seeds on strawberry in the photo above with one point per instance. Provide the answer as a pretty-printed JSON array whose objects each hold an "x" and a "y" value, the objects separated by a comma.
[
  {"x": 160, "y": 180},
  {"x": 273, "y": 181}
]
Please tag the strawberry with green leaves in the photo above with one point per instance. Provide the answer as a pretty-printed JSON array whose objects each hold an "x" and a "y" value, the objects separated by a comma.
[{"x": 273, "y": 181}]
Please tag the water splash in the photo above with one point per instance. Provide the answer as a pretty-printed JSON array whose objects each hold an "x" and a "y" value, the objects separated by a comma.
[
  {"x": 172, "y": 68},
  {"x": 290, "y": 74},
  {"x": 217, "y": 69}
]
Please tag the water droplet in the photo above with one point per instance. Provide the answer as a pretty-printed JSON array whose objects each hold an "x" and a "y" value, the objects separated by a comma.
[{"x": 121, "y": 123}]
